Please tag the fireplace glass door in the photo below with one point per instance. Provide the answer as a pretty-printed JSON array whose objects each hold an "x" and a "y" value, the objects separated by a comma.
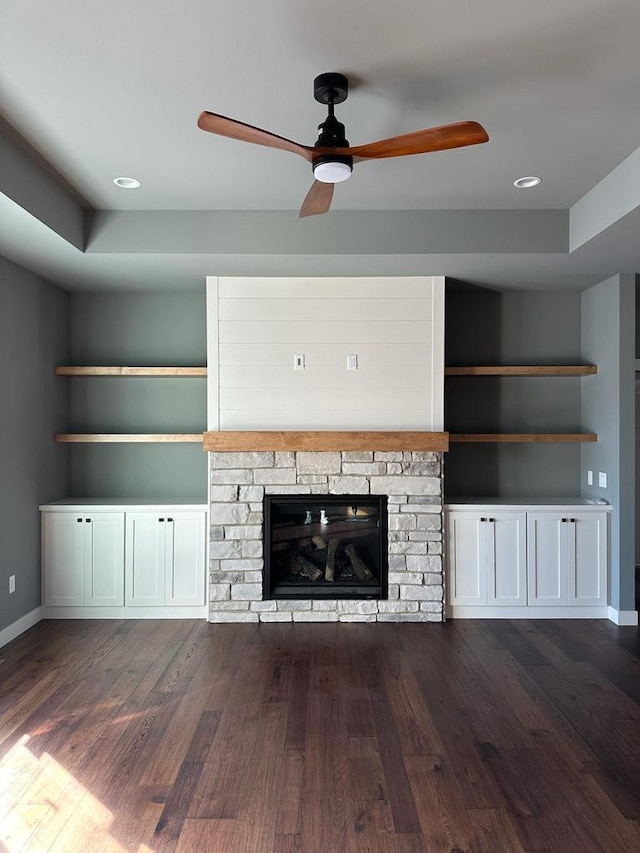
[{"x": 325, "y": 546}]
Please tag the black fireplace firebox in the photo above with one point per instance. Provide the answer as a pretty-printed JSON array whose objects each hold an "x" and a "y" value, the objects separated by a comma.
[{"x": 325, "y": 546}]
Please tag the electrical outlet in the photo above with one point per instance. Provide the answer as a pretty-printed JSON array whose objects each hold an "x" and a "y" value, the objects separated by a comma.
[
  {"x": 12, "y": 584},
  {"x": 352, "y": 362},
  {"x": 298, "y": 361},
  {"x": 589, "y": 478},
  {"x": 602, "y": 479}
]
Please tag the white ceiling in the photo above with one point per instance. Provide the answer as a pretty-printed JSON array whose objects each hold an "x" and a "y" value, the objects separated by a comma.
[{"x": 115, "y": 88}]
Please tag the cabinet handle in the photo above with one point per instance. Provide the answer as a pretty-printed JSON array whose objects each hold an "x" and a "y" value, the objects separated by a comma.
[
  {"x": 483, "y": 519},
  {"x": 79, "y": 520},
  {"x": 564, "y": 520},
  {"x": 161, "y": 519},
  {"x": 88, "y": 520},
  {"x": 169, "y": 519},
  {"x": 492, "y": 520}
]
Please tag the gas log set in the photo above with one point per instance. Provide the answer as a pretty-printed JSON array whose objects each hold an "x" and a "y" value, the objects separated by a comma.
[
  {"x": 320, "y": 559},
  {"x": 325, "y": 546}
]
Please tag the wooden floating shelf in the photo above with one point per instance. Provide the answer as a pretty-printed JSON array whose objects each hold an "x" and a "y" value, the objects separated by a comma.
[
  {"x": 127, "y": 437},
  {"x": 321, "y": 440},
  {"x": 129, "y": 371},
  {"x": 523, "y": 370},
  {"x": 522, "y": 437}
]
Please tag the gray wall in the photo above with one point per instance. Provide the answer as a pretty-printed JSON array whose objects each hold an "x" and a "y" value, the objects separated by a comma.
[
  {"x": 638, "y": 434},
  {"x": 138, "y": 329},
  {"x": 608, "y": 339},
  {"x": 487, "y": 327},
  {"x": 637, "y": 316},
  {"x": 33, "y": 337},
  {"x": 637, "y": 492}
]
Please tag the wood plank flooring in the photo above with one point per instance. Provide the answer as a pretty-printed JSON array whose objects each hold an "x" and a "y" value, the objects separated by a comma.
[{"x": 488, "y": 736}]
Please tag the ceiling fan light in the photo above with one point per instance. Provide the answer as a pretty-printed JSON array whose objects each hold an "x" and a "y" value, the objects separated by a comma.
[{"x": 332, "y": 171}]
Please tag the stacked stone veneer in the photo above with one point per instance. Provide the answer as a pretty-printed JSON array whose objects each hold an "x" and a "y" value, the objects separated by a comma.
[{"x": 412, "y": 482}]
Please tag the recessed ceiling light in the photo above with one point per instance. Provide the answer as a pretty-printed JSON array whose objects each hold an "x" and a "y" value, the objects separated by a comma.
[
  {"x": 527, "y": 182},
  {"x": 127, "y": 183}
]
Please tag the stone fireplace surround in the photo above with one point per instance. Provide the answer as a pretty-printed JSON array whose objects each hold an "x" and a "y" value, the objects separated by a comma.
[{"x": 412, "y": 482}]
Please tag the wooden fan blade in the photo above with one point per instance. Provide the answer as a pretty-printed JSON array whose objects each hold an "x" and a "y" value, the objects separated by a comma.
[
  {"x": 421, "y": 141},
  {"x": 318, "y": 199},
  {"x": 214, "y": 123}
]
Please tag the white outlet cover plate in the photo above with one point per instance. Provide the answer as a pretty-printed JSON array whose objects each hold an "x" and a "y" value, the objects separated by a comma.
[{"x": 602, "y": 480}]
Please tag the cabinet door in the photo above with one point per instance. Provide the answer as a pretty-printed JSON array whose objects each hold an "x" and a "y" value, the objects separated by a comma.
[
  {"x": 587, "y": 558},
  {"x": 63, "y": 559},
  {"x": 145, "y": 558},
  {"x": 506, "y": 534},
  {"x": 185, "y": 558},
  {"x": 547, "y": 564},
  {"x": 466, "y": 558},
  {"x": 104, "y": 559}
]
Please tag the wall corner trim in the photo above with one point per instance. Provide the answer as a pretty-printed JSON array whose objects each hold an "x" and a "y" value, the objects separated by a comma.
[
  {"x": 623, "y": 617},
  {"x": 20, "y": 626}
]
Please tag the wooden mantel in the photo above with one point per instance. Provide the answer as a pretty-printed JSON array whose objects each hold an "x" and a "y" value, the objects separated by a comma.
[{"x": 227, "y": 440}]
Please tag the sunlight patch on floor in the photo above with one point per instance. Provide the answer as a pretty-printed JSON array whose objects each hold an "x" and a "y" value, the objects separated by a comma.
[{"x": 42, "y": 808}]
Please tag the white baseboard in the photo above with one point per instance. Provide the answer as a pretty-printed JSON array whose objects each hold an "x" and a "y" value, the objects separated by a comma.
[
  {"x": 83, "y": 612},
  {"x": 619, "y": 617},
  {"x": 169, "y": 612},
  {"x": 467, "y": 611},
  {"x": 20, "y": 626},
  {"x": 623, "y": 617}
]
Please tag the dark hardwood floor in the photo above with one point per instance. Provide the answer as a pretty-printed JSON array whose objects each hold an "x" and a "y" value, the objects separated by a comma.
[{"x": 496, "y": 736}]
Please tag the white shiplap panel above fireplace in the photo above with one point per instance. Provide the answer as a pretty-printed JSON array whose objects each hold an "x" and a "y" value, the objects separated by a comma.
[{"x": 395, "y": 326}]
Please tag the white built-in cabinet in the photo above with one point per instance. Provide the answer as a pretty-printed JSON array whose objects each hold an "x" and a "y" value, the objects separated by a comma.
[
  {"x": 487, "y": 558},
  {"x": 529, "y": 560},
  {"x": 82, "y": 560},
  {"x": 164, "y": 558},
  {"x": 107, "y": 559},
  {"x": 567, "y": 558}
]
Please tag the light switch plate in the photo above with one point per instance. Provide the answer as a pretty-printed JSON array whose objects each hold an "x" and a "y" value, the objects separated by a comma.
[
  {"x": 298, "y": 361},
  {"x": 589, "y": 478},
  {"x": 602, "y": 479},
  {"x": 352, "y": 362}
]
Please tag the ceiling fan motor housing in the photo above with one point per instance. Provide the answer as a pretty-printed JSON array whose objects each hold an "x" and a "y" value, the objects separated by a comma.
[
  {"x": 331, "y": 133},
  {"x": 331, "y": 89}
]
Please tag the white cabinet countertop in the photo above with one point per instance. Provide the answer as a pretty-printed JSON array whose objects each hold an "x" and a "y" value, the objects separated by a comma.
[
  {"x": 584, "y": 504},
  {"x": 81, "y": 504}
]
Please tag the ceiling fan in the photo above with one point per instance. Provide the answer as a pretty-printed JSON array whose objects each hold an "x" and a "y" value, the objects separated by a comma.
[{"x": 331, "y": 157}]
